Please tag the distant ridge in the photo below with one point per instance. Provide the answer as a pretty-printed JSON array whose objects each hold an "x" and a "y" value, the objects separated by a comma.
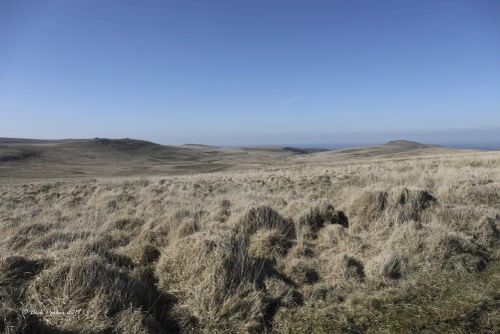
[
  {"x": 200, "y": 145},
  {"x": 303, "y": 150},
  {"x": 5, "y": 140},
  {"x": 126, "y": 143},
  {"x": 391, "y": 149},
  {"x": 408, "y": 144},
  {"x": 127, "y": 156}
]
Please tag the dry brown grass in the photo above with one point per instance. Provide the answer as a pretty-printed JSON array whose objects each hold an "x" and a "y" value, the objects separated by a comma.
[{"x": 388, "y": 245}]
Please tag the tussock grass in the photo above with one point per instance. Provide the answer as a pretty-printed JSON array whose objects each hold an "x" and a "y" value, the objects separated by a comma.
[{"x": 374, "y": 246}]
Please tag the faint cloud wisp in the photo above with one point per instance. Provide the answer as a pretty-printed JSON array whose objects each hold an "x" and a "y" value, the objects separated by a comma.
[{"x": 291, "y": 99}]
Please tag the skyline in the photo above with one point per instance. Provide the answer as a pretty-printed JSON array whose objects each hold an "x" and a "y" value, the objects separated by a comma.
[
  {"x": 485, "y": 138},
  {"x": 260, "y": 72}
]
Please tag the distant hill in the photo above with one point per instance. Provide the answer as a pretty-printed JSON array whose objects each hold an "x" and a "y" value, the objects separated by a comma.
[
  {"x": 25, "y": 141},
  {"x": 391, "y": 149},
  {"x": 408, "y": 144},
  {"x": 126, "y": 156},
  {"x": 304, "y": 150},
  {"x": 200, "y": 145},
  {"x": 126, "y": 144}
]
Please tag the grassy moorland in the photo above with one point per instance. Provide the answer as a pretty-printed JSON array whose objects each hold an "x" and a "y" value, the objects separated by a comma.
[{"x": 392, "y": 239}]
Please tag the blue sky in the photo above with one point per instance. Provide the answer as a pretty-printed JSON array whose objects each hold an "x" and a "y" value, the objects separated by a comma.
[{"x": 248, "y": 72}]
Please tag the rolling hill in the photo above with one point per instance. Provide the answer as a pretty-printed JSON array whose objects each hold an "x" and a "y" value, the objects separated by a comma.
[
  {"x": 99, "y": 157},
  {"x": 29, "y": 158}
]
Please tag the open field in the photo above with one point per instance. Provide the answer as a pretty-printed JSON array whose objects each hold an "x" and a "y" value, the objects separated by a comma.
[{"x": 396, "y": 238}]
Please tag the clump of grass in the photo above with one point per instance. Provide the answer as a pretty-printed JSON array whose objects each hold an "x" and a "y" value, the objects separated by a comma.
[
  {"x": 410, "y": 204},
  {"x": 331, "y": 236},
  {"x": 218, "y": 282},
  {"x": 390, "y": 266},
  {"x": 26, "y": 233},
  {"x": 15, "y": 274},
  {"x": 269, "y": 244},
  {"x": 302, "y": 271},
  {"x": 487, "y": 231},
  {"x": 316, "y": 217},
  {"x": 87, "y": 292},
  {"x": 390, "y": 207},
  {"x": 224, "y": 211},
  {"x": 264, "y": 217},
  {"x": 350, "y": 268},
  {"x": 16, "y": 270},
  {"x": 369, "y": 205}
]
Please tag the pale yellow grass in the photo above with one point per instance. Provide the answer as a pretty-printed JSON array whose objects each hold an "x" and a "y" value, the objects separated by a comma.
[{"x": 388, "y": 245}]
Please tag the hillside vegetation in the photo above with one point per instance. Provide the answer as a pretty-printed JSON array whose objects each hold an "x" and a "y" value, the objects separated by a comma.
[{"x": 379, "y": 245}]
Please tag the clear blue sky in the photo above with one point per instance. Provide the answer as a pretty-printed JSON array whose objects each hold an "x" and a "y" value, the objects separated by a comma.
[{"x": 242, "y": 72}]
